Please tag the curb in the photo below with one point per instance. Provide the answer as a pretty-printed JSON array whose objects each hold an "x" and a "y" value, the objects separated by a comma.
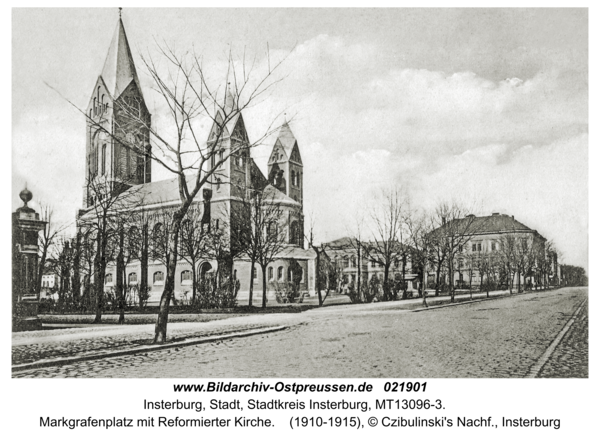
[
  {"x": 544, "y": 358},
  {"x": 497, "y": 297},
  {"x": 143, "y": 349},
  {"x": 460, "y": 303}
]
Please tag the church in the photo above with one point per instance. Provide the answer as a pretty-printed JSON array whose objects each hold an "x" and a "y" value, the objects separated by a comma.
[{"x": 127, "y": 170}]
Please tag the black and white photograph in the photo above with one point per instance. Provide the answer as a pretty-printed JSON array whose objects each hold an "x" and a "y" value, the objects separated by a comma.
[{"x": 302, "y": 193}]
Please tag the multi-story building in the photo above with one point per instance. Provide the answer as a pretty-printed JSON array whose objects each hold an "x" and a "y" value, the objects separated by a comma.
[
  {"x": 493, "y": 247},
  {"x": 347, "y": 255}
]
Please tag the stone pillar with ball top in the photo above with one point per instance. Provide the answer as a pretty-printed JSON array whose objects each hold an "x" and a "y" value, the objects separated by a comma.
[{"x": 26, "y": 225}]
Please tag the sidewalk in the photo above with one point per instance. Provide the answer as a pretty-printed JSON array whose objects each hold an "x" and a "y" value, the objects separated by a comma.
[{"x": 97, "y": 340}]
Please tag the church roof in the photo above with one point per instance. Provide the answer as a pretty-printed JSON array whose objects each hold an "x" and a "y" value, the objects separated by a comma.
[
  {"x": 119, "y": 69},
  {"x": 276, "y": 195},
  {"x": 286, "y": 138}
]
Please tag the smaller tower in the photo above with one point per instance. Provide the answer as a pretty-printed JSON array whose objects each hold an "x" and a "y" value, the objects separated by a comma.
[
  {"x": 231, "y": 158},
  {"x": 285, "y": 164}
]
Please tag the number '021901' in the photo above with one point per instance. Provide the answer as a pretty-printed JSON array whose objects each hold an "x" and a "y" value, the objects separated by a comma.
[{"x": 404, "y": 386}]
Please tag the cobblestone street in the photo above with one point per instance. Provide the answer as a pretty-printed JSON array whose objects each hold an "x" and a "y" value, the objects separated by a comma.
[{"x": 498, "y": 338}]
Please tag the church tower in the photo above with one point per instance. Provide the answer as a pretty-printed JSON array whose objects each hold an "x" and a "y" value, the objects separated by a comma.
[
  {"x": 232, "y": 156},
  {"x": 285, "y": 164},
  {"x": 118, "y": 126}
]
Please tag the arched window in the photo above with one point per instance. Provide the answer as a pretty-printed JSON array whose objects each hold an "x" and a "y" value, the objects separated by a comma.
[
  {"x": 159, "y": 277},
  {"x": 280, "y": 273},
  {"x": 108, "y": 279},
  {"x": 295, "y": 233},
  {"x": 270, "y": 273},
  {"x": 132, "y": 278},
  {"x": 290, "y": 274},
  {"x": 186, "y": 276},
  {"x": 103, "y": 158},
  {"x": 272, "y": 231}
]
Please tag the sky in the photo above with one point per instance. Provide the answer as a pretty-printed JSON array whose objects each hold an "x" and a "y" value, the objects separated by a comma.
[{"x": 486, "y": 107}]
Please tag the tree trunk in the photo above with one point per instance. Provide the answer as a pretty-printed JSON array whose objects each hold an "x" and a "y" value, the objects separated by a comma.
[
  {"x": 318, "y": 276},
  {"x": 194, "y": 279},
  {"x": 423, "y": 287},
  {"x": 387, "y": 296},
  {"x": 437, "y": 279},
  {"x": 160, "y": 331},
  {"x": 76, "y": 273},
  {"x": 263, "y": 269},
  {"x": 251, "y": 288},
  {"x": 99, "y": 272},
  {"x": 143, "y": 287},
  {"x": 450, "y": 279}
]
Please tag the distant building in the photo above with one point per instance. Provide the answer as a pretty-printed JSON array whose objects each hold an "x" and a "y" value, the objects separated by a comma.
[
  {"x": 496, "y": 237},
  {"x": 345, "y": 255}
]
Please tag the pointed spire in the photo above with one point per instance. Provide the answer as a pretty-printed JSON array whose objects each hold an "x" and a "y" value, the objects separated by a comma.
[
  {"x": 286, "y": 137},
  {"x": 119, "y": 69},
  {"x": 230, "y": 103}
]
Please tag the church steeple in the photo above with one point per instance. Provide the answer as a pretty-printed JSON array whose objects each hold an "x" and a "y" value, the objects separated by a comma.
[
  {"x": 119, "y": 68},
  {"x": 118, "y": 147},
  {"x": 285, "y": 164}
]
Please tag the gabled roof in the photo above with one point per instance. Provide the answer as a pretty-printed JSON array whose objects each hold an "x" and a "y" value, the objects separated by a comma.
[
  {"x": 119, "y": 69},
  {"x": 276, "y": 195}
]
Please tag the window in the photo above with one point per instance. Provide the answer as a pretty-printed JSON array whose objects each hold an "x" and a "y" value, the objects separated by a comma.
[
  {"x": 460, "y": 248},
  {"x": 474, "y": 247},
  {"x": 186, "y": 276},
  {"x": 493, "y": 246},
  {"x": 301, "y": 272},
  {"x": 132, "y": 278},
  {"x": 354, "y": 262},
  {"x": 295, "y": 233},
  {"x": 270, "y": 273},
  {"x": 221, "y": 158},
  {"x": 373, "y": 264},
  {"x": 280, "y": 273},
  {"x": 217, "y": 224},
  {"x": 479, "y": 247},
  {"x": 255, "y": 274},
  {"x": 293, "y": 178},
  {"x": 103, "y": 159},
  {"x": 218, "y": 183},
  {"x": 159, "y": 277},
  {"x": 108, "y": 279},
  {"x": 290, "y": 275}
]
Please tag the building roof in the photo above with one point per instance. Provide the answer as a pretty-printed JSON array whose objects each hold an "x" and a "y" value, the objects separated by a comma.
[
  {"x": 119, "y": 69},
  {"x": 495, "y": 223},
  {"x": 286, "y": 139}
]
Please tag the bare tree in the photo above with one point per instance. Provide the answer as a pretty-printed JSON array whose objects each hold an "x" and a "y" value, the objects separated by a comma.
[
  {"x": 101, "y": 221},
  {"x": 455, "y": 226},
  {"x": 388, "y": 233},
  {"x": 420, "y": 235},
  {"x": 46, "y": 239},
  {"x": 260, "y": 233}
]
